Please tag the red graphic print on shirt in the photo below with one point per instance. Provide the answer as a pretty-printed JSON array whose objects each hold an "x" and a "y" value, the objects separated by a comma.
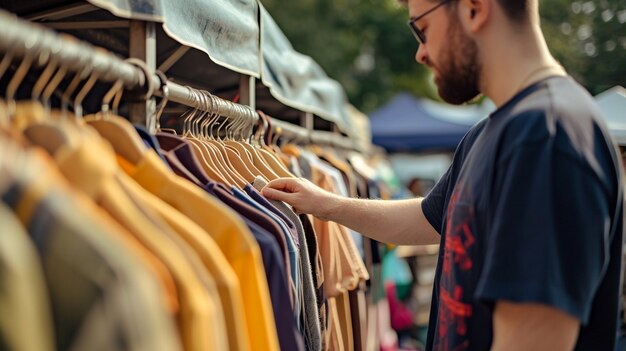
[{"x": 454, "y": 306}]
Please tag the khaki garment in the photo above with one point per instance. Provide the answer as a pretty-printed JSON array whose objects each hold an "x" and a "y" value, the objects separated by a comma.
[
  {"x": 214, "y": 262},
  {"x": 358, "y": 305},
  {"x": 231, "y": 235},
  {"x": 23, "y": 297},
  {"x": 343, "y": 271},
  {"x": 92, "y": 168}
]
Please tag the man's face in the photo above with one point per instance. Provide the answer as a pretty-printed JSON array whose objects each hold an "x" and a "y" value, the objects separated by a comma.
[
  {"x": 449, "y": 52},
  {"x": 459, "y": 66}
]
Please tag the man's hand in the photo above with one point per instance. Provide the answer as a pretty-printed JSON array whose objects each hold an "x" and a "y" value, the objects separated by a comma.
[
  {"x": 304, "y": 196},
  {"x": 527, "y": 326},
  {"x": 397, "y": 222}
]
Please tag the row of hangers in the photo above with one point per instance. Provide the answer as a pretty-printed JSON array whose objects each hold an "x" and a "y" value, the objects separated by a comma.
[{"x": 228, "y": 149}]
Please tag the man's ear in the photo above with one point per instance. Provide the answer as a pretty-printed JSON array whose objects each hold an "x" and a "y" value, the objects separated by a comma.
[{"x": 475, "y": 13}]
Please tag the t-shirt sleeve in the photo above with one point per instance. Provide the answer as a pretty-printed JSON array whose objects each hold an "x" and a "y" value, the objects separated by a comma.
[
  {"x": 432, "y": 204},
  {"x": 547, "y": 237}
]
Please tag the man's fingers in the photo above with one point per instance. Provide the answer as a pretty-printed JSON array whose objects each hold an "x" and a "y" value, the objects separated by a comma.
[
  {"x": 283, "y": 184},
  {"x": 278, "y": 195}
]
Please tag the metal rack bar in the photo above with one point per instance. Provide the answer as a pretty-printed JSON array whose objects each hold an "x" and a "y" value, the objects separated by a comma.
[{"x": 26, "y": 39}]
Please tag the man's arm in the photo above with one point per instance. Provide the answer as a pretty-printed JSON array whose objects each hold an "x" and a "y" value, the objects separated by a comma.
[
  {"x": 527, "y": 326},
  {"x": 397, "y": 222}
]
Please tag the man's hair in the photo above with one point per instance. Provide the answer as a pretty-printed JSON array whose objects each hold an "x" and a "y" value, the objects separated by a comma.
[{"x": 517, "y": 10}]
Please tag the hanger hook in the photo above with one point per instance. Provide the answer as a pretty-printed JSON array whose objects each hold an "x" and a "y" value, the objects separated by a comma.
[
  {"x": 5, "y": 63},
  {"x": 53, "y": 84},
  {"x": 165, "y": 94},
  {"x": 214, "y": 115},
  {"x": 230, "y": 119},
  {"x": 222, "y": 107},
  {"x": 190, "y": 112},
  {"x": 113, "y": 92},
  {"x": 199, "y": 114},
  {"x": 67, "y": 95},
  {"x": 204, "y": 130},
  {"x": 78, "y": 107},
  {"x": 238, "y": 115},
  {"x": 18, "y": 77}
]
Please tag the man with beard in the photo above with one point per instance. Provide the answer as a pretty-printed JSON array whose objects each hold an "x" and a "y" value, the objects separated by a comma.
[{"x": 529, "y": 214}]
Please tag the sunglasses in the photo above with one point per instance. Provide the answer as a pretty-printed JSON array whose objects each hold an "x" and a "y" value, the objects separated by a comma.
[{"x": 417, "y": 32}]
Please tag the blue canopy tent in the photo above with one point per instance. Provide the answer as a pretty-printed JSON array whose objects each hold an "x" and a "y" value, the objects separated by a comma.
[
  {"x": 410, "y": 124},
  {"x": 612, "y": 104}
]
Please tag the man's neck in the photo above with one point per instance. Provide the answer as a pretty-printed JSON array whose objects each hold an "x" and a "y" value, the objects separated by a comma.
[{"x": 514, "y": 62}]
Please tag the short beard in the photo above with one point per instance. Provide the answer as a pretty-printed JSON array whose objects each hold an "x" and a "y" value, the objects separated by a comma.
[{"x": 459, "y": 67}]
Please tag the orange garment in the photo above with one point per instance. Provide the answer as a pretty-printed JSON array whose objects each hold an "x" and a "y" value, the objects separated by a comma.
[
  {"x": 231, "y": 235},
  {"x": 92, "y": 168},
  {"x": 213, "y": 259}
]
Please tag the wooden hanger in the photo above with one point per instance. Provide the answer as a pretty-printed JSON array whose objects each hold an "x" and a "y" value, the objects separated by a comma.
[
  {"x": 276, "y": 165},
  {"x": 219, "y": 151},
  {"x": 119, "y": 132},
  {"x": 232, "y": 153},
  {"x": 249, "y": 156},
  {"x": 203, "y": 154}
]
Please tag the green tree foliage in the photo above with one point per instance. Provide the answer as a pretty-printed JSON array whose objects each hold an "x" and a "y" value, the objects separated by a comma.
[
  {"x": 367, "y": 47},
  {"x": 589, "y": 39}
]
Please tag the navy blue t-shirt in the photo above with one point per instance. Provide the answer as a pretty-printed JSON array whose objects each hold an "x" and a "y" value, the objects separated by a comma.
[{"x": 529, "y": 212}]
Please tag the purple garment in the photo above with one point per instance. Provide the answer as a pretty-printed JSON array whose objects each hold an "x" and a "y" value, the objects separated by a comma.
[
  {"x": 256, "y": 196},
  {"x": 173, "y": 144},
  {"x": 288, "y": 335}
]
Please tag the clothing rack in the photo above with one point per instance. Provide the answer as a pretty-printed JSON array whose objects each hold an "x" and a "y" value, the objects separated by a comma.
[{"x": 23, "y": 39}]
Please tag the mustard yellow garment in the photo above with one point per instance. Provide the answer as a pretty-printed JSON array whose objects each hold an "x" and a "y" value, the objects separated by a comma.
[
  {"x": 214, "y": 261},
  {"x": 92, "y": 168},
  {"x": 23, "y": 298},
  {"x": 98, "y": 288},
  {"x": 231, "y": 235}
]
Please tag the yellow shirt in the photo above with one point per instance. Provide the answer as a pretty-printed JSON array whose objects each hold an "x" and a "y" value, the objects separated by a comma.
[
  {"x": 214, "y": 262},
  {"x": 92, "y": 168},
  {"x": 231, "y": 235}
]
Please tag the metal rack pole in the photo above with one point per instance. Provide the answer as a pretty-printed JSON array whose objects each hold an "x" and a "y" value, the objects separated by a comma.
[
  {"x": 22, "y": 38},
  {"x": 142, "y": 45}
]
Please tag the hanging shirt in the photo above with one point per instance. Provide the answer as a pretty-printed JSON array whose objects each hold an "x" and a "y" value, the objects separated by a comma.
[
  {"x": 287, "y": 335},
  {"x": 233, "y": 238},
  {"x": 97, "y": 287},
  {"x": 531, "y": 197},
  {"x": 207, "y": 249},
  {"x": 24, "y": 301},
  {"x": 311, "y": 324},
  {"x": 100, "y": 179}
]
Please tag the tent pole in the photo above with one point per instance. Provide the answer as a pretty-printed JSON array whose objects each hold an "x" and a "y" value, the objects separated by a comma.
[
  {"x": 143, "y": 46},
  {"x": 247, "y": 91}
]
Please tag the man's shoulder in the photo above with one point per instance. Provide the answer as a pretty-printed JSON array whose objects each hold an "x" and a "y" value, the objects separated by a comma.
[
  {"x": 556, "y": 108},
  {"x": 557, "y": 97}
]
